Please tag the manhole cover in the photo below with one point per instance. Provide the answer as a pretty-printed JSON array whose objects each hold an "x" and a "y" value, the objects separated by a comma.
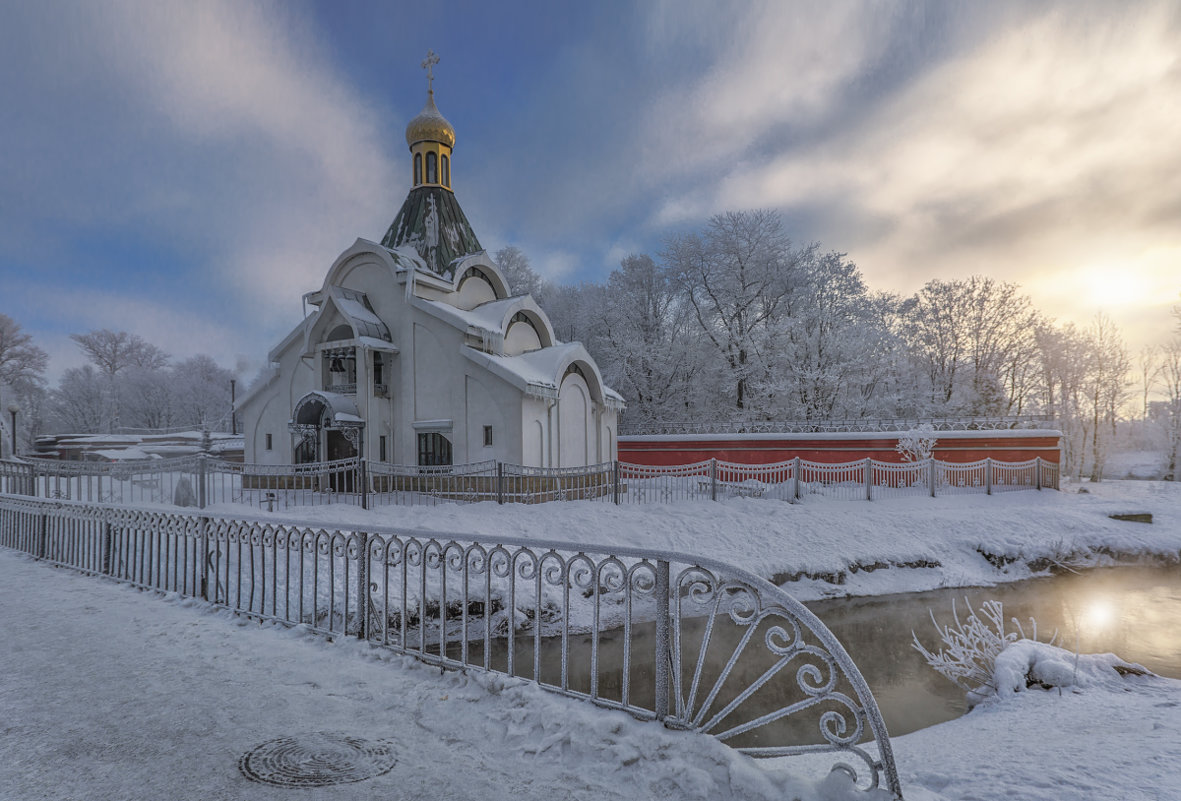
[{"x": 317, "y": 760}]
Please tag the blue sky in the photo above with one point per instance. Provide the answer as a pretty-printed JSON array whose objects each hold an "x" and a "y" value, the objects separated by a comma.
[{"x": 186, "y": 171}]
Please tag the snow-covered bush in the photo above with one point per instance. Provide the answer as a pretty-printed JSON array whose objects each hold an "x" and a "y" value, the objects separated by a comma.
[
  {"x": 971, "y": 647},
  {"x": 917, "y": 444}
]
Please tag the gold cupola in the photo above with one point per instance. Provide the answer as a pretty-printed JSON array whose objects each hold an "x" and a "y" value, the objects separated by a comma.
[{"x": 431, "y": 138}]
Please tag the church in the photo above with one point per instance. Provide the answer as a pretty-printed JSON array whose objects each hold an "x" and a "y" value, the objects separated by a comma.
[{"x": 414, "y": 351}]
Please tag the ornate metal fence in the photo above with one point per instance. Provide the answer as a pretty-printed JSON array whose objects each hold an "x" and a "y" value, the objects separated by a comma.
[
  {"x": 205, "y": 481},
  {"x": 693, "y": 643},
  {"x": 132, "y": 482},
  {"x": 409, "y": 485},
  {"x": 279, "y": 487}
]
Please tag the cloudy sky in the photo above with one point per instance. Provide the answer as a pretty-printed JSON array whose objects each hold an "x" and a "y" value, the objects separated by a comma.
[{"x": 186, "y": 171}]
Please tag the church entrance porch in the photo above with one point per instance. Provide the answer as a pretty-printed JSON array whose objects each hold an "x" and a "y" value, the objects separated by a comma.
[{"x": 327, "y": 427}]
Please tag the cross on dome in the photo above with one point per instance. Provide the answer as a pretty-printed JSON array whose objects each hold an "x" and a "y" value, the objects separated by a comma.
[{"x": 427, "y": 63}]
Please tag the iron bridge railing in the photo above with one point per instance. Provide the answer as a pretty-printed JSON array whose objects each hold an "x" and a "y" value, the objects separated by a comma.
[{"x": 693, "y": 643}]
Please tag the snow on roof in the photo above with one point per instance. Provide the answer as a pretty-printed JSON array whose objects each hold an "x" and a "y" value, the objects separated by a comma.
[
  {"x": 344, "y": 407},
  {"x": 354, "y": 306},
  {"x": 88, "y": 441},
  {"x": 124, "y": 454},
  {"x": 538, "y": 370},
  {"x": 373, "y": 343}
]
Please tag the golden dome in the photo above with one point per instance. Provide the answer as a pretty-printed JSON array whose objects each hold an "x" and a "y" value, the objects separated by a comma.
[{"x": 430, "y": 126}]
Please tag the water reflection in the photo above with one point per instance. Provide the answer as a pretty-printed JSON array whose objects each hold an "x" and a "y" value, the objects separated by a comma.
[
  {"x": 1129, "y": 611},
  {"x": 1132, "y": 612}
]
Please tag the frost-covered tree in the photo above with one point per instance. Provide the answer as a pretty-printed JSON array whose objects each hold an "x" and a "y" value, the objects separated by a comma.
[
  {"x": 114, "y": 351},
  {"x": 647, "y": 348},
  {"x": 831, "y": 343},
  {"x": 1104, "y": 388},
  {"x": 201, "y": 392},
  {"x": 21, "y": 362},
  {"x": 917, "y": 444},
  {"x": 520, "y": 275},
  {"x": 974, "y": 340},
  {"x": 81, "y": 402},
  {"x": 736, "y": 275},
  {"x": 147, "y": 398},
  {"x": 22, "y": 365}
]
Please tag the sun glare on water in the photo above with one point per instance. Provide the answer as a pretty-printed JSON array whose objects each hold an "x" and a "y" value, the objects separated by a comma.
[{"x": 1099, "y": 614}]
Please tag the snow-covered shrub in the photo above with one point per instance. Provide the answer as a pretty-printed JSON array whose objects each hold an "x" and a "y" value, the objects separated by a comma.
[
  {"x": 971, "y": 647},
  {"x": 917, "y": 444}
]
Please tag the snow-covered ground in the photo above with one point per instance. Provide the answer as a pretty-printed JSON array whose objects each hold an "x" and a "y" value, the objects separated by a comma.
[
  {"x": 109, "y": 693},
  {"x": 836, "y": 547}
]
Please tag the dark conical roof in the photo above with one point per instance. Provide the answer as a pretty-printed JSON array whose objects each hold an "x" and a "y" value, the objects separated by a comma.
[{"x": 432, "y": 221}]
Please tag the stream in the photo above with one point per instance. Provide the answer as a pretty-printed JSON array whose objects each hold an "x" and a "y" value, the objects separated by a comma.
[{"x": 1130, "y": 611}]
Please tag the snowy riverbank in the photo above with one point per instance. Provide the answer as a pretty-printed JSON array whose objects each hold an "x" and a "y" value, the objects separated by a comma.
[
  {"x": 834, "y": 548},
  {"x": 110, "y": 693}
]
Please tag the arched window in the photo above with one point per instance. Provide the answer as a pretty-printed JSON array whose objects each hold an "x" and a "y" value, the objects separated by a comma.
[
  {"x": 417, "y": 169},
  {"x": 432, "y": 164},
  {"x": 446, "y": 172}
]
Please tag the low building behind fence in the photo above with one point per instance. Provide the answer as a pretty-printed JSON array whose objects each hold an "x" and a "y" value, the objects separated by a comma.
[{"x": 205, "y": 481}]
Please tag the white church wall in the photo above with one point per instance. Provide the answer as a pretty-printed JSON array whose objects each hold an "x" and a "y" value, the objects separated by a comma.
[
  {"x": 433, "y": 377},
  {"x": 473, "y": 291},
  {"x": 521, "y": 338},
  {"x": 534, "y": 443},
  {"x": 489, "y": 405},
  {"x": 574, "y": 422}
]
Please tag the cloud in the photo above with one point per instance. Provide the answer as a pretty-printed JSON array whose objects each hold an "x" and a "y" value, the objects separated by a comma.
[
  {"x": 1040, "y": 150},
  {"x": 219, "y": 132},
  {"x": 767, "y": 65}
]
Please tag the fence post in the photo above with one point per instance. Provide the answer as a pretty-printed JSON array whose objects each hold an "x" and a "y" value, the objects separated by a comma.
[
  {"x": 43, "y": 537},
  {"x": 204, "y": 527},
  {"x": 795, "y": 472},
  {"x": 201, "y": 471},
  {"x": 1037, "y": 473},
  {"x": 363, "y": 477},
  {"x": 615, "y": 480},
  {"x": 107, "y": 547},
  {"x": 868, "y": 479},
  {"x": 660, "y": 707},
  {"x": 500, "y": 483},
  {"x": 363, "y": 586},
  {"x": 713, "y": 479},
  {"x": 931, "y": 474},
  {"x": 987, "y": 475}
]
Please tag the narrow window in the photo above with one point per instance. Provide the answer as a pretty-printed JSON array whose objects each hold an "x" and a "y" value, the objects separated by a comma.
[
  {"x": 487, "y": 436},
  {"x": 269, "y": 442},
  {"x": 381, "y": 449},
  {"x": 446, "y": 172},
  {"x": 432, "y": 162},
  {"x": 378, "y": 369},
  {"x": 417, "y": 169}
]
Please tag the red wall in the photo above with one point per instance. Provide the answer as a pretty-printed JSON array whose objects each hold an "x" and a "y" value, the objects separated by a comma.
[{"x": 1004, "y": 446}]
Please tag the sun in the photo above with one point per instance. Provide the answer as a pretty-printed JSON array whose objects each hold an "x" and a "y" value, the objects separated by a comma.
[{"x": 1107, "y": 287}]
